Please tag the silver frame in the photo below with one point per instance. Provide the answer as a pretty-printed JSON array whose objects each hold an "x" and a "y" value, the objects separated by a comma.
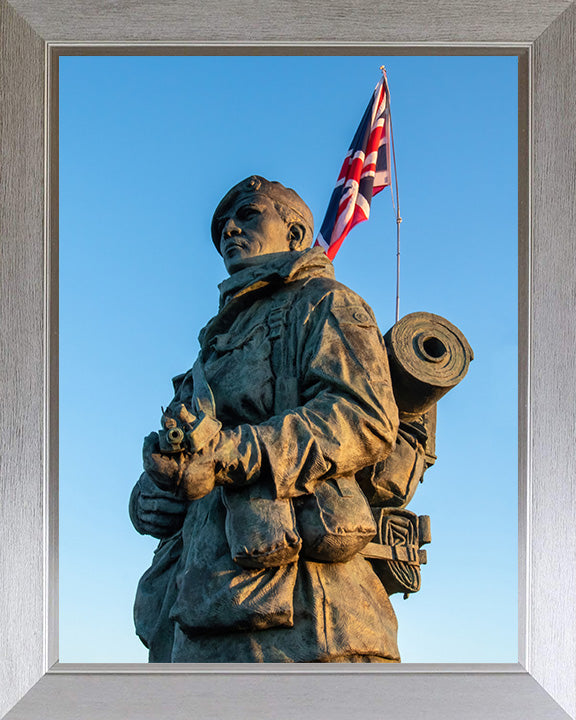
[{"x": 543, "y": 684}]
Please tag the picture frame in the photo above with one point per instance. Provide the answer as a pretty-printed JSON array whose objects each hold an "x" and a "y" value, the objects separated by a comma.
[{"x": 543, "y": 683}]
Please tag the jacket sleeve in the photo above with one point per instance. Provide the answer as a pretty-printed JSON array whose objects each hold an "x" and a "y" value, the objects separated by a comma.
[{"x": 345, "y": 417}]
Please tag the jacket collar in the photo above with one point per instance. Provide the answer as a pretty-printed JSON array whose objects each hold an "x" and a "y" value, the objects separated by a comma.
[{"x": 275, "y": 270}]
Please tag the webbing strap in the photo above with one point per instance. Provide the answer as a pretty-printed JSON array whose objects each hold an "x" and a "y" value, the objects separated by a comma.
[
  {"x": 410, "y": 554},
  {"x": 285, "y": 386}
]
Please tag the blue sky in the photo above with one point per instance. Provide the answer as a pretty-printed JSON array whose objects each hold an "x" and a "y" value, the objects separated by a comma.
[{"x": 148, "y": 146}]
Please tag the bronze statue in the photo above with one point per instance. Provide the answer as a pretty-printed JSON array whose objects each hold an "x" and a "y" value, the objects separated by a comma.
[{"x": 274, "y": 448}]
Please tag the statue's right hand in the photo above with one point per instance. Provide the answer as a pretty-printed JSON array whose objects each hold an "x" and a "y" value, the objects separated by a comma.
[
  {"x": 159, "y": 513},
  {"x": 190, "y": 475}
]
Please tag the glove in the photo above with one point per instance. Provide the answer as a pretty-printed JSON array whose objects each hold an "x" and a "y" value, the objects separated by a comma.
[{"x": 156, "y": 512}]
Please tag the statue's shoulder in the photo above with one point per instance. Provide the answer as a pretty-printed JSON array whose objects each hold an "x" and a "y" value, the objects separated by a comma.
[{"x": 328, "y": 292}]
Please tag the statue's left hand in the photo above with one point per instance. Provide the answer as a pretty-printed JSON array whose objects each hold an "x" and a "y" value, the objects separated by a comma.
[
  {"x": 195, "y": 473},
  {"x": 156, "y": 512}
]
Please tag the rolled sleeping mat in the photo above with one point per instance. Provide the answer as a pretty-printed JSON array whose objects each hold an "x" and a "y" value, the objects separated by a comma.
[{"x": 428, "y": 356}]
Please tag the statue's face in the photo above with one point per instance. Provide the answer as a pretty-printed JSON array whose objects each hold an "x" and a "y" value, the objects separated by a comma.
[{"x": 251, "y": 227}]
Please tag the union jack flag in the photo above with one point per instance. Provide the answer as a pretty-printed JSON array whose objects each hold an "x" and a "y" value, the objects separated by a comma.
[{"x": 365, "y": 172}]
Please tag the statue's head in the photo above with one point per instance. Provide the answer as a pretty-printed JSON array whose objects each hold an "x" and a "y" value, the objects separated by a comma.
[{"x": 259, "y": 217}]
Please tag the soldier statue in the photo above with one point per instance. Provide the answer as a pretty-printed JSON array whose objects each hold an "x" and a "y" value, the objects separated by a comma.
[{"x": 277, "y": 442}]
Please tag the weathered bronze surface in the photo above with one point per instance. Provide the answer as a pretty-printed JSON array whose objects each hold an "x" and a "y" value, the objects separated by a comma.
[{"x": 279, "y": 480}]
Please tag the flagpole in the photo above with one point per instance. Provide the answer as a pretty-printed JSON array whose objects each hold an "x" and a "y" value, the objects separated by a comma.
[
  {"x": 396, "y": 205},
  {"x": 398, "y": 222}
]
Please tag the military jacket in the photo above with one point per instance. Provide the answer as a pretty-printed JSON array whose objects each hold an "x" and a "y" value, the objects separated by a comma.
[{"x": 300, "y": 379}]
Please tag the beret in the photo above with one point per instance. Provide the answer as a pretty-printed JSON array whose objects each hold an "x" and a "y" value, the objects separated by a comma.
[{"x": 256, "y": 185}]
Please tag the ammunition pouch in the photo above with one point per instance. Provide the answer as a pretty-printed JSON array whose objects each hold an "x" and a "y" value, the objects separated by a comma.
[
  {"x": 335, "y": 521},
  {"x": 260, "y": 530},
  {"x": 392, "y": 482},
  {"x": 329, "y": 525}
]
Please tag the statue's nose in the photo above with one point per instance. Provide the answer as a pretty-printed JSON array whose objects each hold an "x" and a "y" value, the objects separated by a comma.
[{"x": 230, "y": 228}]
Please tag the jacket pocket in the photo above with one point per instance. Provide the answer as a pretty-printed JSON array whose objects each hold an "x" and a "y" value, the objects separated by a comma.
[
  {"x": 239, "y": 371},
  {"x": 154, "y": 598}
]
